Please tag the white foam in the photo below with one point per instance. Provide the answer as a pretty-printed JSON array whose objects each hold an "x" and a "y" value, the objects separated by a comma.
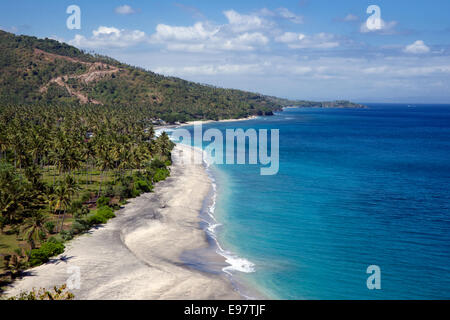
[
  {"x": 158, "y": 132},
  {"x": 235, "y": 262},
  {"x": 238, "y": 264}
]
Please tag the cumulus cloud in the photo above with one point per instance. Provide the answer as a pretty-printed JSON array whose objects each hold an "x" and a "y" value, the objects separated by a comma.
[
  {"x": 200, "y": 37},
  {"x": 417, "y": 47},
  {"x": 242, "y": 22},
  {"x": 300, "y": 41},
  {"x": 197, "y": 32},
  {"x": 125, "y": 9},
  {"x": 109, "y": 37},
  {"x": 285, "y": 13},
  {"x": 242, "y": 33},
  {"x": 281, "y": 13}
]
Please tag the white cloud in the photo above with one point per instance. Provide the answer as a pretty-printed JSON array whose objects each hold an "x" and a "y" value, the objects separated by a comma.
[
  {"x": 197, "y": 39},
  {"x": 125, "y": 9},
  {"x": 281, "y": 13},
  {"x": 241, "y": 22},
  {"x": 209, "y": 70},
  {"x": 55, "y": 37},
  {"x": 245, "y": 42},
  {"x": 193, "y": 33},
  {"x": 417, "y": 47},
  {"x": 322, "y": 76},
  {"x": 300, "y": 41},
  {"x": 285, "y": 13},
  {"x": 109, "y": 37},
  {"x": 240, "y": 34},
  {"x": 290, "y": 37}
]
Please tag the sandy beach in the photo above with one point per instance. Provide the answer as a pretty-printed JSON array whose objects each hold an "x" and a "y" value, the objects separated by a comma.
[
  {"x": 137, "y": 254},
  {"x": 191, "y": 123}
]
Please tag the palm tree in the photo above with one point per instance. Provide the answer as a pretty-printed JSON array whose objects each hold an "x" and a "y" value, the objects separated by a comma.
[
  {"x": 14, "y": 194},
  {"x": 61, "y": 199},
  {"x": 33, "y": 228},
  {"x": 71, "y": 188},
  {"x": 105, "y": 161}
]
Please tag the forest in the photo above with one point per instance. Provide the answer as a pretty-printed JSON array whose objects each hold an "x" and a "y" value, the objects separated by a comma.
[{"x": 65, "y": 169}]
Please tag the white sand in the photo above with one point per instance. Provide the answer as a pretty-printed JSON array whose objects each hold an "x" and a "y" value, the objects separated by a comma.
[
  {"x": 198, "y": 122},
  {"x": 137, "y": 254}
]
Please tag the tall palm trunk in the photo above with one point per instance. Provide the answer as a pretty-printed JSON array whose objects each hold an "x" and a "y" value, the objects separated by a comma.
[
  {"x": 101, "y": 181},
  {"x": 62, "y": 221}
]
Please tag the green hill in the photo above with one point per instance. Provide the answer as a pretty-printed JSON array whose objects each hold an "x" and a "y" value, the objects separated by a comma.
[{"x": 45, "y": 71}]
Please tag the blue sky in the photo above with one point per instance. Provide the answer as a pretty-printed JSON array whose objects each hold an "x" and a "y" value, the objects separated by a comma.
[{"x": 302, "y": 49}]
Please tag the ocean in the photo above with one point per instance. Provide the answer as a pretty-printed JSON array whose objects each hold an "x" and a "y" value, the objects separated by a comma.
[{"x": 355, "y": 188}]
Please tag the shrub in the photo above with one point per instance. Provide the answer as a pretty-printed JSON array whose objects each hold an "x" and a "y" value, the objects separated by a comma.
[
  {"x": 86, "y": 196},
  {"x": 143, "y": 186},
  {"x": 2, "y": 223},
  {"x": 161, "y": 174},
  {"x": 80, "y": 226},
  {"x": 106, "y": 212},
  {"x": 46, "y": 251},
  {"x": 75, "y": 206},
  {"x": 50, "y": 226},
  {"x": 43, "y": 294},
  {"x": 53, "y": 240},
  {"x": 157, "y": 164},
  {"x": 101, "y": 216},
  {"x": 124, "y": 192},
  {"x": 103, "y": 201},
  {"x": 66, "y": 235},
  {"x": 96, "y": 219},
  {"x": 109, "y": 192},
  {"x": 84, "y": 211}
]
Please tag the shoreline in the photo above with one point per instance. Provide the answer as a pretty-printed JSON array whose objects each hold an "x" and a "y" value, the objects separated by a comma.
[
  {"x": 192, "y": 123},
  {"x": 140, "y": 253},
  {"x": 234, "y": 262},
  {"x": 197, "y": 122},
  {"x": 209, "y": 224}
]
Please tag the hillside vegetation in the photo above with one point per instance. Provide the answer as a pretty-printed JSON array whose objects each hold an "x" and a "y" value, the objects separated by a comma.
[{"x": 49, "y": 72}]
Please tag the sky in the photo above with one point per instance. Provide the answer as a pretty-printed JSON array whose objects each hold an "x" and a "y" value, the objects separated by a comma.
[{"x": 298, "y": 49}]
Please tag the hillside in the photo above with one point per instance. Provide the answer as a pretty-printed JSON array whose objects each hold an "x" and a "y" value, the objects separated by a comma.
[{"x": 45, "y": 71}]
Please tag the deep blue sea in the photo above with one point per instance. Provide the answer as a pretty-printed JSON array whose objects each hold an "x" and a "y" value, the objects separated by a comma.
[{"x": 356, "y": 187}]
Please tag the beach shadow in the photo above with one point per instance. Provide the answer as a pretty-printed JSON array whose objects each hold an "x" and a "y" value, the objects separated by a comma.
[
  {"x": 62, "y": 258},
  {"x": 26, "y": 274}
]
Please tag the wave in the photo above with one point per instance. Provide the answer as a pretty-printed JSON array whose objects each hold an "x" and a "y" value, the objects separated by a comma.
[
  {"x": 236, "y": 263},
  {"x": 158, "y": 132}
]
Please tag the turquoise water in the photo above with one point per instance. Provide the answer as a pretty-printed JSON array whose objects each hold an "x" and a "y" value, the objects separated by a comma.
[{"x": 355, "y": 188}]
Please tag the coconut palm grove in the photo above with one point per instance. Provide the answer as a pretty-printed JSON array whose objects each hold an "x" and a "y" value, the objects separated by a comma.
[{"x": 65, "y": 169}]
